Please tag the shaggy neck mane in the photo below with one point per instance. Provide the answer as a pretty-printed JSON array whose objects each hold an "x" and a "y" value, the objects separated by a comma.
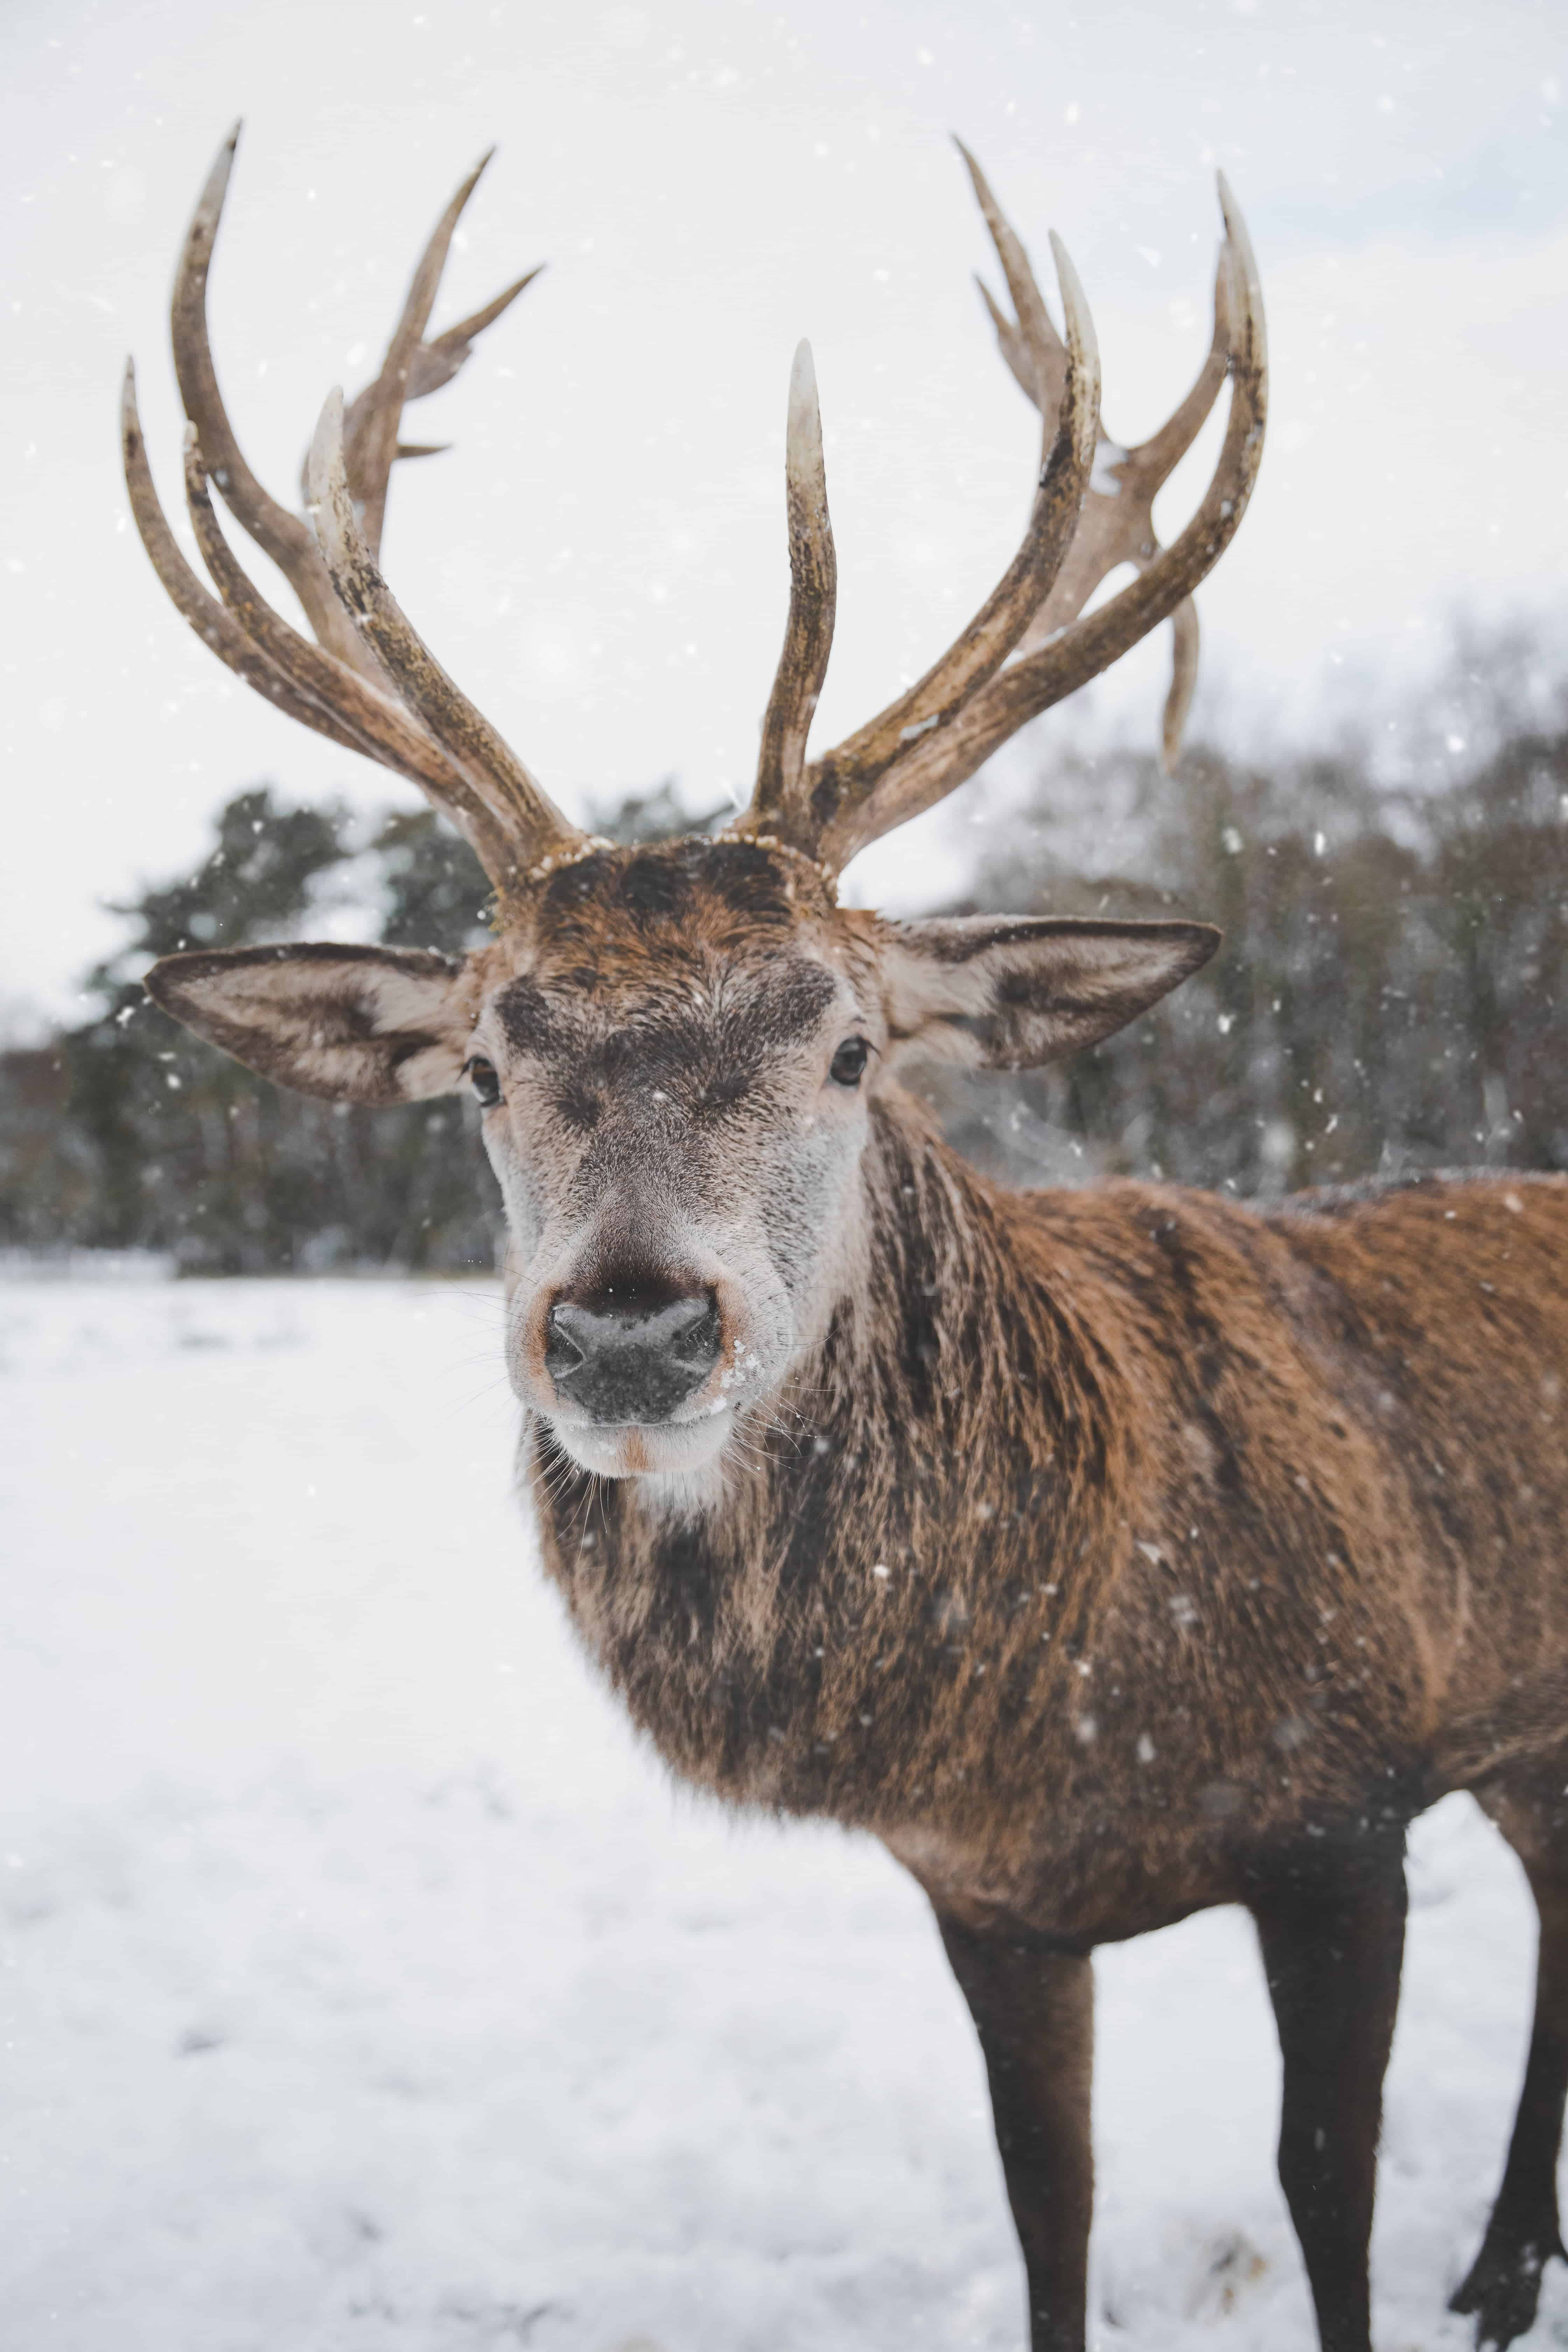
[{"x": 792, "y": 1644}]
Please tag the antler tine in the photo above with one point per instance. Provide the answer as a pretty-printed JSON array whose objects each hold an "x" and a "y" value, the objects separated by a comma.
[
  {"x": 534, "y": 827},
  {"x": 411, "y": 367},
  {"x": 285, "y": 537},
  {"x": 1186, "y": 639},
  {"x": 434, "y": 363},
  {"x": 289, "y": 686},
  {"x": 189, "y": 594},
  {"x": 357, "y": 712},
  {"x": 1009, "y": 341},
  {"x": 336, "y": 685},
  {"x": 1031, "y": 347},
  {"x": 438, "y": 361},
  {"x": 1093, "y": 642},
  {"x": 843, "y": 778},
  {"x": 1159, "y": 457},
  {"x": 812, "y": 595},
  {"x": 1117, "y": 525}
]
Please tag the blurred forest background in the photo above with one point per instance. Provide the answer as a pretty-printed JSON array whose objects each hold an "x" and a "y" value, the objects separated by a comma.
[{"x": 1395, "y": 913}]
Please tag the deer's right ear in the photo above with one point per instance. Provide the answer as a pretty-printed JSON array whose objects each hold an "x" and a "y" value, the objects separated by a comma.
[{"x": 373, "y": 1025}]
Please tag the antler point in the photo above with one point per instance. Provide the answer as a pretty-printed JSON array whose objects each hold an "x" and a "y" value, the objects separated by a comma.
[
  {"x": 977, "y": 179},
  {"x": 804, "y": 428},
  {"x": 475, "y": 176}
]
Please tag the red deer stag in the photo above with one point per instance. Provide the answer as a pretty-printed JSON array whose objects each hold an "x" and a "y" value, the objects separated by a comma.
[{"x": 1109, "y": 1554}]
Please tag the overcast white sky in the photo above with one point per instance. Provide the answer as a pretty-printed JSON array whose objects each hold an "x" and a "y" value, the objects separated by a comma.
[{"x": 601, "y": 561}]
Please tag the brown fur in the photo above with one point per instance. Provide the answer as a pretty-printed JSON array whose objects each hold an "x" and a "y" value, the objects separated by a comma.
[{"x": 1204, "y": 1530}]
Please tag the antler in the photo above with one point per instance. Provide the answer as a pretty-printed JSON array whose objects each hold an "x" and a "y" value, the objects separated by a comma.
[
  {"x": 370, "y": 683},
  {"x": 1117, "y": 525},
  {"x": 789, "y": 802},
  {"x": 1031, "y": 644},
  {"x": 813, "y": 596},
  {"x": 367, "y": 682}
]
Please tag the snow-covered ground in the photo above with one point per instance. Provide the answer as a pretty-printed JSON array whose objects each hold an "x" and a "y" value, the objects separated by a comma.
[{"x": 367, "y": 1989}]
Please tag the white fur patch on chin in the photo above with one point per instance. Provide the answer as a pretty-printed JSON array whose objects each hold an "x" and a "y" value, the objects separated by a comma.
[
  {"x": 680, "y": 1463},
  {"x": 683, "y": 1494}
]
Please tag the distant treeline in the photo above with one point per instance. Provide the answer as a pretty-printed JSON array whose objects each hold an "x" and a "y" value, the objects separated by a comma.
[{"x": 1388, "y": 996}]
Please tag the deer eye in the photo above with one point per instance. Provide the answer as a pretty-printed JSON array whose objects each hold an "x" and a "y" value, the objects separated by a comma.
[
  {"x": 483, "y": 1079},
  {"x": 847, "y": 1067}
]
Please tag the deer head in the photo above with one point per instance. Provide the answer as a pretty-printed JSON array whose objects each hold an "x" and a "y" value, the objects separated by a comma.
[{"x": 679, "y": 1050}]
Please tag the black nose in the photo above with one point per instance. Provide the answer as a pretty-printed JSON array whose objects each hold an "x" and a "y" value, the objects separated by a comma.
[{"x": 630, "y": 1353}]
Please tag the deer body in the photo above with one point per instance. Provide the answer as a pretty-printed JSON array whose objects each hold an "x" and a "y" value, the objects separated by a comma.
[
  {"x": 1111, "y": 1539},
  {"x": 1108, "y": 1554}
]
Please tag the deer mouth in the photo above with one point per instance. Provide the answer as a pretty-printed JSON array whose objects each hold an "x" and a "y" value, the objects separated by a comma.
[{"x": 638, "y": 1449}]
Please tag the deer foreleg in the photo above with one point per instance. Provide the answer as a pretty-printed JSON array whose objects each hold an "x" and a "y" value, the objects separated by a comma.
[
  {"x": 1033, "y": 2006},
  {"x": 1332, "y": 1931}
]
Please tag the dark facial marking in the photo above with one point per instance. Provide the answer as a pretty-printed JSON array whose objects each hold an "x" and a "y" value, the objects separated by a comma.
[
  {"x": 571, "y": 887},
  {"x": 666, "y": 883},
  {"x": 655, "y": 890},
  {"x": 580, "y": 1106},
  {"x": 526, "y": 1017},
  {"x": 664, "y": 1033},
  {"x": 722, "y": 1089},
  {"x": 748, "y": 879}
]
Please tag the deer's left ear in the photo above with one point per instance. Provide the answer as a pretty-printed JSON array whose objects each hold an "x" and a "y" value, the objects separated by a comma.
[
  {"x": 1008, "y": 992},
  {"x": 373, "y": 1025}
]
